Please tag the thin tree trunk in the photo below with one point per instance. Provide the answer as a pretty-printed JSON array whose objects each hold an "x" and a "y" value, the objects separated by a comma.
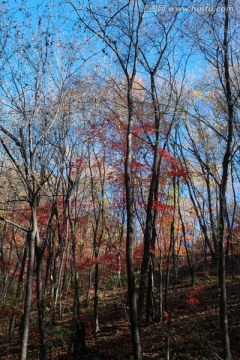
[
  {"x": 29, "y": 288},
  {"x": 19, "y": 286},
  {"x": 96, "y": 321},
  {"x": 222, "y": 205},
  {"x": 167, "y": 279},
  {"x": 41, "y": 307},
  {"x": 78, "y": 337},
  {"x": 160, "y": 289},
  {"x": 150, "y": 308},
  {"x": 191, "y": 269}
]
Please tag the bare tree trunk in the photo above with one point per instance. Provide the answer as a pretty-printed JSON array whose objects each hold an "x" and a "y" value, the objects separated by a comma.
[
  {"x": 222, "y": 201},
  {"x": 41, "y": 307},
  {"x": 96, "y": 321},
  {"x": 78, "y": 337},
  {"x": 200, "y": 218},
  {"x": 30, "y": 275},
  {"x": 191, "y": 269},
  {"x": 160, "y": 289},
  {"x": 132, "y": 294},
  {"x": 167, "y": 279},
  {"x": 150, "y": 306},
  {"x": 20, "y": 283},
  {"x": 148, "y": 233},
  {"x": 172, "y": 235}
]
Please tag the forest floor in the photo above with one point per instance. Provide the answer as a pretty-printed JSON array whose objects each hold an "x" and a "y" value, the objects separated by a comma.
[{"x": 194, "y": 329}]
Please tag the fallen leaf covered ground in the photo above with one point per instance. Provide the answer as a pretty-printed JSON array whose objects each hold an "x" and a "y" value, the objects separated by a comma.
[{"x": 194, "y": 332}]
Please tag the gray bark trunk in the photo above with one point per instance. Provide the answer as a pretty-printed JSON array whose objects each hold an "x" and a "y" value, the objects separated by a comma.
[
  {"x": 30, "y": 274},
  {"x": 132, "y": 295}
]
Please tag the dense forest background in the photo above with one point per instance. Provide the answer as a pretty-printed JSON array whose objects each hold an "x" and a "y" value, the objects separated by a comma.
[{"x": 119, "y": 180}]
